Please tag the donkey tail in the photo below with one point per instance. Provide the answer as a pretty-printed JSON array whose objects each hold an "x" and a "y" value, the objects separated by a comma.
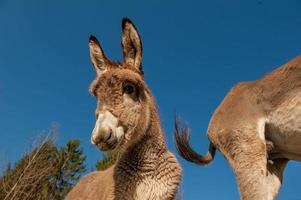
[{"x": 182, "y": 136}]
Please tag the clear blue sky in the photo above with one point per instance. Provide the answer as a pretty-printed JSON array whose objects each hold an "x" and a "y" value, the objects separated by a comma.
[{"x": 194, "y": 52}]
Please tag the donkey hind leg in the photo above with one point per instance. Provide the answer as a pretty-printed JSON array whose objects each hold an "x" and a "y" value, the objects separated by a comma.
[
  {"x": 246, "y": 153},
  {"x": 274, "y": 176},
  {"x": 251, "y": 176}
]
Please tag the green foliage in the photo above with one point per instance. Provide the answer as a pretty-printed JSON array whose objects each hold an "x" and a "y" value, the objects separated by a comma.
[
  {"x": 46, "y": 173},
  {"x": 108, "y": 160},
  {"x": 68, "y": 168},
  {"x": 26, "y": 179}
]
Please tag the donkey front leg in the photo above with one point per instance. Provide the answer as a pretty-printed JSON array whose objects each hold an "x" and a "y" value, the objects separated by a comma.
[{"x": 246, "y": 153}]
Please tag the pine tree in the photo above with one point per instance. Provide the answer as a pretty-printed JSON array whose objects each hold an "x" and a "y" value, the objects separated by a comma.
[
  {"x": 46, "y": 173},
  {"x": 69, "y": 167},
  {"x": 108, "y": 160},
  {"x": 26, "y": 179}
]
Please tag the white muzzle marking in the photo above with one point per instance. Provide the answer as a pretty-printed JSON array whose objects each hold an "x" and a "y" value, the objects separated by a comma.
[{"x": 106, "y": 128}]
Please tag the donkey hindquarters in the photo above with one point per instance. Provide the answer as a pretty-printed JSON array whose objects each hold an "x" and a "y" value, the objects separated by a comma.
[{"x": 257, "y": 129}]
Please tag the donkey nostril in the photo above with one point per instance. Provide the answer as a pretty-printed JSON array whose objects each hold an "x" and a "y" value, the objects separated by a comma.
[
  {"x": 110, "y": 135},
  {"x": 103, "y": 135},
  {"x": 96, "y": 140}
]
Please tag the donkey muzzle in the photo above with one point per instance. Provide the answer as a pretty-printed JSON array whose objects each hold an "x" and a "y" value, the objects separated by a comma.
[{"x": 106, "y": 133}]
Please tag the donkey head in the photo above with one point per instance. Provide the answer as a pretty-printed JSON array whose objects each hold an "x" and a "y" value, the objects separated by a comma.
[{"x": 123, "y": 99}]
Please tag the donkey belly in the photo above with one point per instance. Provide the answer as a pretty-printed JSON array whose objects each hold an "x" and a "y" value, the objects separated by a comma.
[{"x": 284, "y": 128}]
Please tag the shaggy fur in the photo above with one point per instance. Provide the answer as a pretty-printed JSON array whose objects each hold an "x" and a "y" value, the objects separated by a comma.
[
  {"x": 257, "y": 129},
  {"x": 146, "y": 169}
]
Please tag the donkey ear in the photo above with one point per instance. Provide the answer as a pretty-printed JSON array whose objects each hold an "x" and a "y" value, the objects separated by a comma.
[
  {"x": 97, "y": 56},
  {"x": 131, "y": 45}
]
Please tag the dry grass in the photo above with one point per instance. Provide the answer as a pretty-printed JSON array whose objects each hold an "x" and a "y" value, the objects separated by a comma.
[{"x": 27, "y": 181}]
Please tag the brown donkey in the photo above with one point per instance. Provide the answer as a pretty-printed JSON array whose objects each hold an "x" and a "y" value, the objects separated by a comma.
[
  {"x": 257, "y": 127},
  {"x": 127, "y": 122}
]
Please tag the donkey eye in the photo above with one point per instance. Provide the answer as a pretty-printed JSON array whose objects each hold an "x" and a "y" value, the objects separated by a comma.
[{"x": 128, "y": 88}]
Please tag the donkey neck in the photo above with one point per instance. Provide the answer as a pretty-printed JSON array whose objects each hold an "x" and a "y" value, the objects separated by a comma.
[{"x": 147, "y": 149}]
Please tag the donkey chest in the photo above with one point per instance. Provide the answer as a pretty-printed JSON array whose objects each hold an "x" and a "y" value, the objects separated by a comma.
[
  {"x": 284, "y": 127},
  {"x": 151, "y": 189},
  {"x": 144, "y": 188}
]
